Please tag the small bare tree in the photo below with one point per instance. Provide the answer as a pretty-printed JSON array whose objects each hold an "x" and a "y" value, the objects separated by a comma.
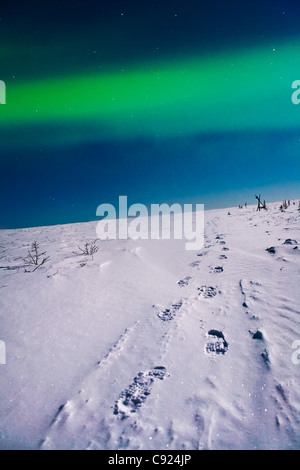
[
  {"x": 260, "y": 205},
  {"x": 34, "y": 257},
  {"x": 89, "y": 248}
]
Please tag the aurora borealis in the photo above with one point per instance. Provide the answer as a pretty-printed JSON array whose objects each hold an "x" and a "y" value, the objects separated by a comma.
[{"x": 161, "y": 102}]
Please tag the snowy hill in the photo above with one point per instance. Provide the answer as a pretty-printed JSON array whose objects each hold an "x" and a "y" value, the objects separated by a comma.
[{"x": 148, "y": 346}]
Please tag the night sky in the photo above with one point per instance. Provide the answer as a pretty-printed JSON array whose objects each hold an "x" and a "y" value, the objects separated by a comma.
[{"x": 162, "y": 101}]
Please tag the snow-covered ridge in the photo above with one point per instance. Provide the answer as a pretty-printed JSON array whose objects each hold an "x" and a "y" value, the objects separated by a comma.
[{"x": 144, "y": 345}]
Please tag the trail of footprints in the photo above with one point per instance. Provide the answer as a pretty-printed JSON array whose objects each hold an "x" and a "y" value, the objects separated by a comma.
[
  {"x": 250, "y": 292},
  {"x": 133, "y": 397},
  {"x": 216, "y": 342}
]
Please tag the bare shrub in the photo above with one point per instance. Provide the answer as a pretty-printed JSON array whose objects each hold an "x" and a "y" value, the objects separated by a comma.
[
  {"x": 89, "y": 248},
  {"x": 34, "y": 257}
]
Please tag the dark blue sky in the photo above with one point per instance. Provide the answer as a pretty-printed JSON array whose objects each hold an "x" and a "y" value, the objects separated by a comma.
[{"x": 52, "y": 183}]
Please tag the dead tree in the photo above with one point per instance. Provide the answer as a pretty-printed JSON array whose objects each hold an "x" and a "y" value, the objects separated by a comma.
[
  {"x": 260, "y": 205},
  {"x": 34, "y": 257},
  {"x": 89, "y": 248}
]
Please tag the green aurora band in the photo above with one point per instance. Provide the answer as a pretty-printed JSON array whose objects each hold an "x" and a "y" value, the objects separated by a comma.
[{"x": 235, "y": 91}]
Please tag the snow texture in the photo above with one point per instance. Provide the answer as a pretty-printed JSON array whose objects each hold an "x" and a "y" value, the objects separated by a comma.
[{"x": 147, "y": 346}]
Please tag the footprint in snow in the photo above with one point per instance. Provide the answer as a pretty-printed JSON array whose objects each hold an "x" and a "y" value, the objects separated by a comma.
[
  {"x": 257, "y": 335},
  {"x": 184, "y": 282},
  {"x": 271, "y": 250},
  {"x": 264, "y": 354},
  {"x": 195, "y": 263},
  {"x": 169, "y": 313},
  {"x": 217, "y": 269},
  {"x": 289, "y": 241},
  {"x": 131, "y": 399},
  {"x": 217, "y": 343},
  {"x": 265, "y": 357},
  {"x": 207, "y": 291}
]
